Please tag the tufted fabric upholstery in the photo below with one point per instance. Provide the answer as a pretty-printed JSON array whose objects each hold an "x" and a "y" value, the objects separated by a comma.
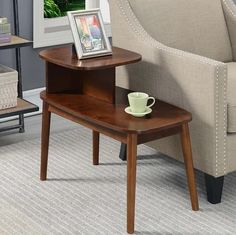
[{"x": 196, "y": 26}]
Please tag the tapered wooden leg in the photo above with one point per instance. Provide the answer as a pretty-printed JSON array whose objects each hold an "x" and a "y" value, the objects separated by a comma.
[
  {"x": 131, "y": 181},
  {"x": 95, "y": 148},
  {"x": 187, "y": 152},
  {"x": 45, "y": 141}
]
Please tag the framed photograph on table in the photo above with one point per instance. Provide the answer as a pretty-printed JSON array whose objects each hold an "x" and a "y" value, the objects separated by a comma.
[{"x": 89, "y": 33}]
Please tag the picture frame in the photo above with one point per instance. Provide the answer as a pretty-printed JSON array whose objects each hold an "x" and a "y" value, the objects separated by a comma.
[{"x": 89, "y": 33}]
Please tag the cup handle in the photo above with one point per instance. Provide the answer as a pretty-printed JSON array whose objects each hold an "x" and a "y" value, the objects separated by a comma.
[{"x": 153, "y": 102}]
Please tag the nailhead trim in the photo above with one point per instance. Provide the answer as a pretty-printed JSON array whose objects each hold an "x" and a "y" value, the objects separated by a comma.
[
  {"x": 142, "y": 34},
  {"x": 216, "y": 119},
  {"x": 225, "y": 120}
]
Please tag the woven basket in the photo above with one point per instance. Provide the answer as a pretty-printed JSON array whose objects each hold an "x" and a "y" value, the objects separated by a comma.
[{"x": 8, "y": 87}]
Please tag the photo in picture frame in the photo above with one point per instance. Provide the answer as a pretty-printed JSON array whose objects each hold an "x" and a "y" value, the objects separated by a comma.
[{"x": 89, "y": 33}]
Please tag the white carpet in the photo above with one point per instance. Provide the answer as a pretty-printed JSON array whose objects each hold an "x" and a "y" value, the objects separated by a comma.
[{"x": 80, "y": 198}]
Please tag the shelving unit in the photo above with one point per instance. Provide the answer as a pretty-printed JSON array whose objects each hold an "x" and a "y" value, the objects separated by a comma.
[{"x": 23, "y": 106}]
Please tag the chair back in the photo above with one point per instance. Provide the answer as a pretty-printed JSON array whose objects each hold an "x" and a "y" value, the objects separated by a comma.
[{"x": 196, "y": 26}]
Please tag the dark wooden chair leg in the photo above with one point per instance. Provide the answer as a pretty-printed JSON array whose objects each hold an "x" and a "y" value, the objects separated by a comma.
[
  {"x": 46, "y": 119},
  {"x": 131, "y": 181},
  {"x": 187, "y": 152},
  {"x": 214, "y": 188},
  {"x": 123, "y": 152},
  {"x": 95, "y": 148}
]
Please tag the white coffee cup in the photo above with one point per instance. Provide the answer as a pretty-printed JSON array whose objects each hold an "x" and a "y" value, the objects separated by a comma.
[{"x": 138, "y": 102}]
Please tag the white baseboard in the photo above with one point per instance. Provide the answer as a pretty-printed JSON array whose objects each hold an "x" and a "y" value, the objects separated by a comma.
[{"x": 32, "y": 96}]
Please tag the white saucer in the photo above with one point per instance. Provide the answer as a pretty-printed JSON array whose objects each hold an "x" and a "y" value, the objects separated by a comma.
[{"x": 128, "y": 110}]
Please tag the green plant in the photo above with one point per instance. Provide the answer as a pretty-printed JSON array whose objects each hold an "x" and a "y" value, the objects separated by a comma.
[
  {"x": 63, "y": 5},
  {"x": 51, "y": 9}
]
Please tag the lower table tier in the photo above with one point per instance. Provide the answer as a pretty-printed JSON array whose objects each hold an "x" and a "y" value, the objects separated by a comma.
[{"x": 113, "y": 116}]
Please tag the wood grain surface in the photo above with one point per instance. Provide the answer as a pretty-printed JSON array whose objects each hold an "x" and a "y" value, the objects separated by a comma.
[
  {"x": 113, "y": 116},
  {"x": 65, "y": 57}
]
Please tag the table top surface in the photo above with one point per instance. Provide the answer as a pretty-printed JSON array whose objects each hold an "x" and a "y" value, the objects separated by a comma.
[
  {"x": 64, "y": 56},
  {"x": 113, "y": 116}
]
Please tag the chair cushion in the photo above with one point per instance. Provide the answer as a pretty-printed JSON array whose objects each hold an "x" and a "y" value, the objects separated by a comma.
[
  {"x": 196, "y": 26},
  {"x": 231, "y": 93}
]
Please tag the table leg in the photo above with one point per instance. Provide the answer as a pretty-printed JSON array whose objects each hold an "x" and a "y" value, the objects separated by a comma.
[
  {"x": 46, "y": 118},
  {"x": 95, "y": 148},
  {"x": 187, "y": 152},
  {"x": 131, "y": 180}
]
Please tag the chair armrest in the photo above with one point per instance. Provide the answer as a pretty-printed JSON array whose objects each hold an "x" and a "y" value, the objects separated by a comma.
[
  {"x": 190, "y": 81},
  {"x": 230, "y": 15}
]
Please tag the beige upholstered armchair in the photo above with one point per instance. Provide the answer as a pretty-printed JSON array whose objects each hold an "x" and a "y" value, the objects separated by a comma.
[{"x": 188, "y": 49}]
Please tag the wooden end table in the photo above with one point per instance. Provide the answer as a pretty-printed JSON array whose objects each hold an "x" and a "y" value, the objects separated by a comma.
[{"x": 84, "y": 91}]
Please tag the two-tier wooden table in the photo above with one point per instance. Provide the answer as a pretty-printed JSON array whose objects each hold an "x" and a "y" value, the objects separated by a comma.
[{"x": 84, "y": 91}]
